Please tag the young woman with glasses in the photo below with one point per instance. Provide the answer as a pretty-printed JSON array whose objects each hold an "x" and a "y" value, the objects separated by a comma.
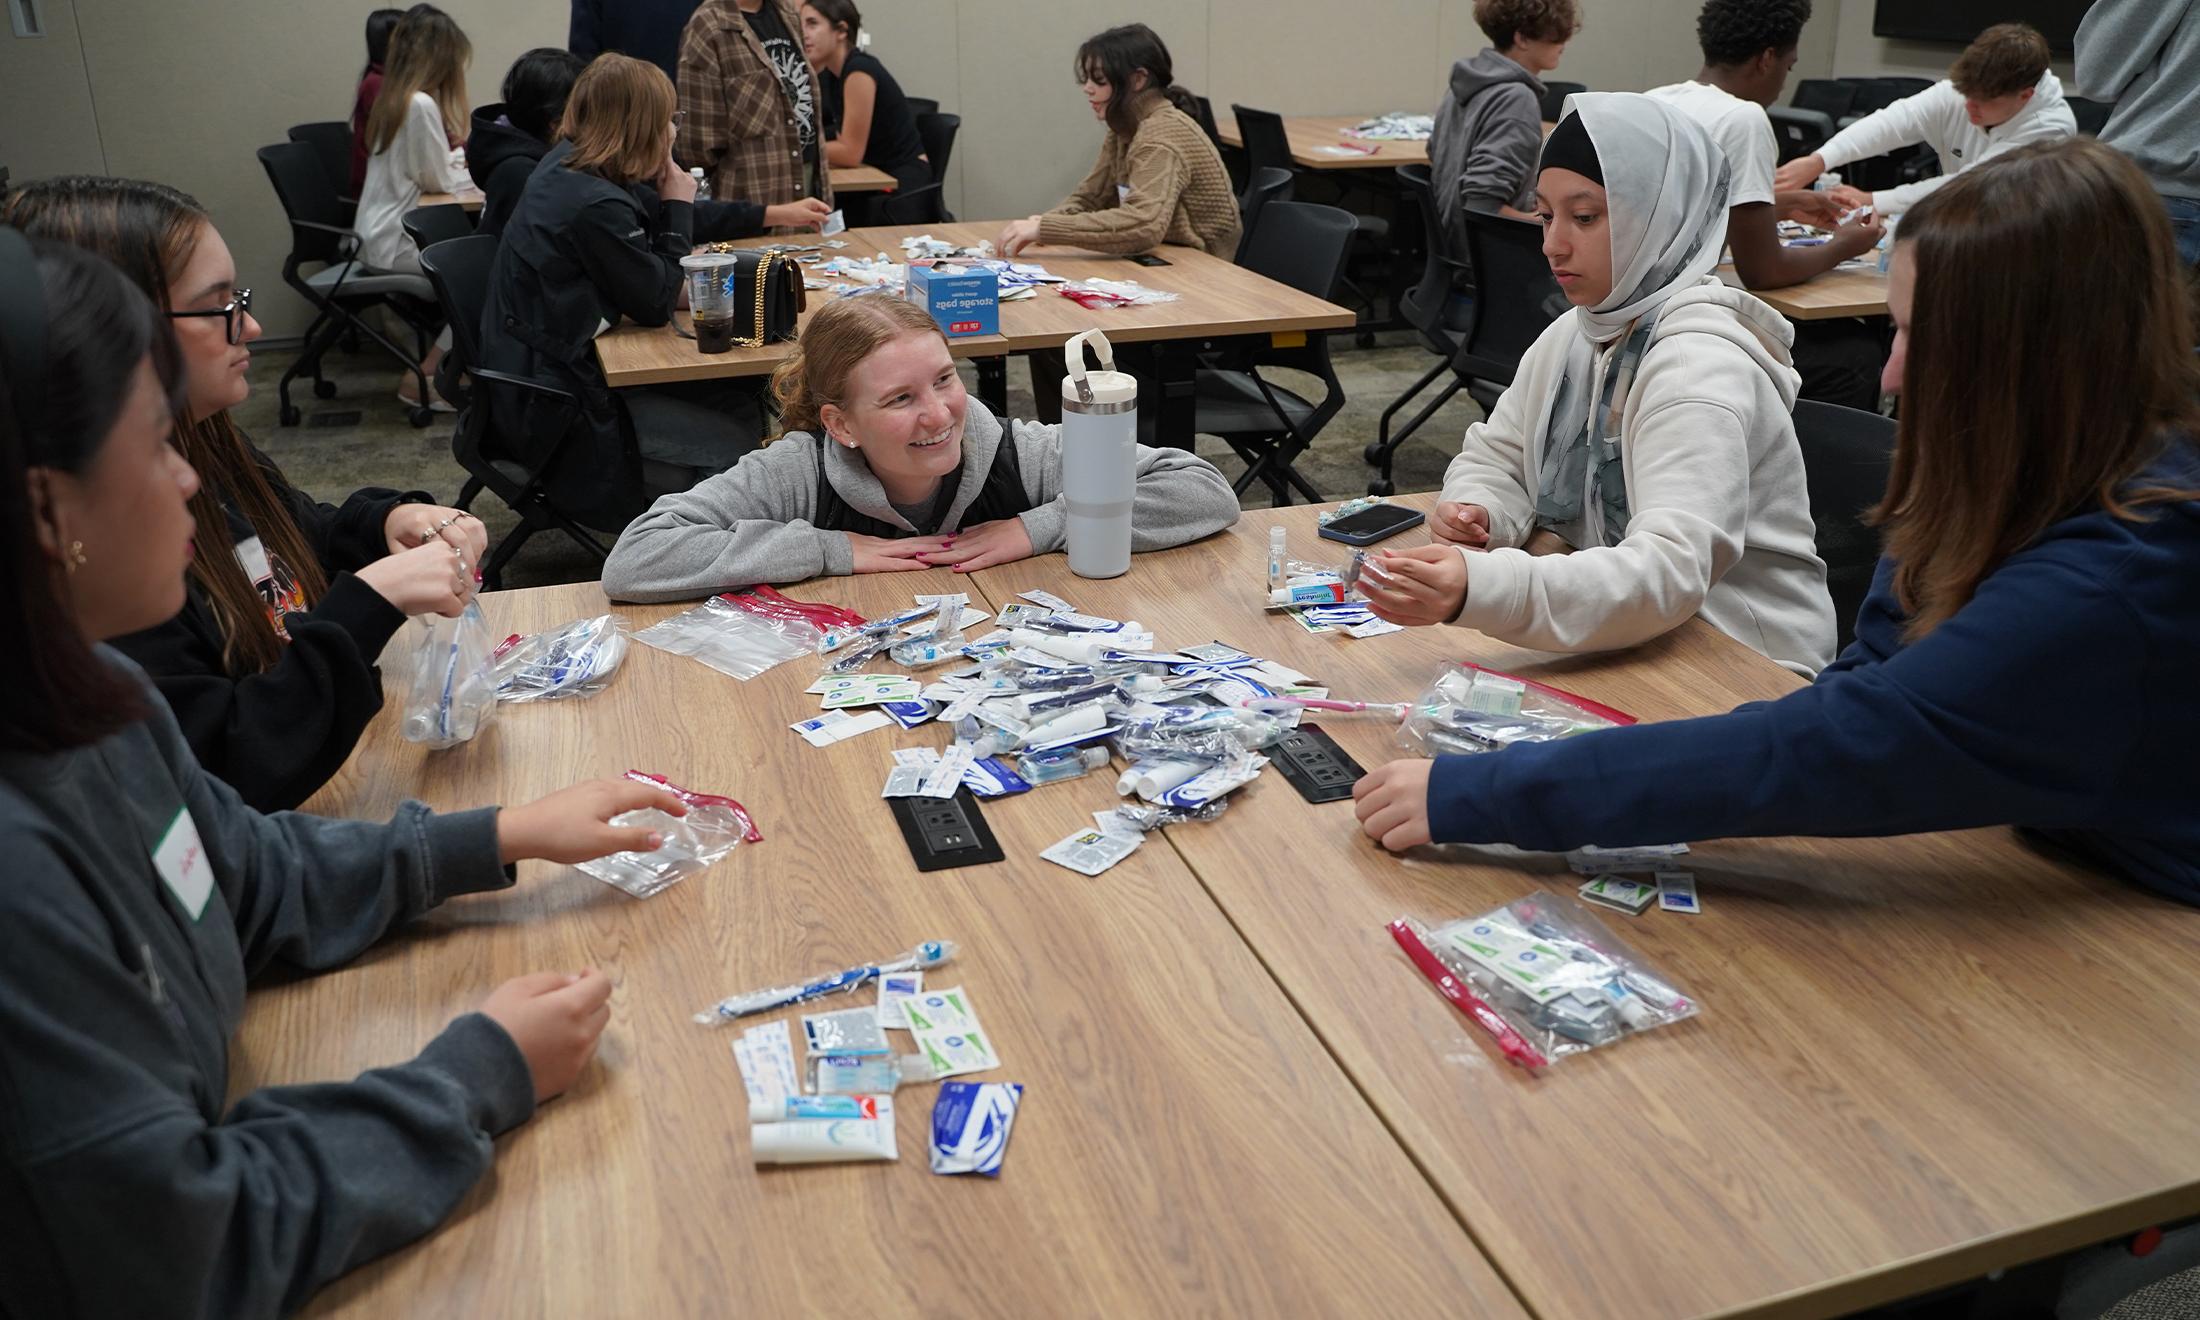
[{"x": 271, "y": 665}]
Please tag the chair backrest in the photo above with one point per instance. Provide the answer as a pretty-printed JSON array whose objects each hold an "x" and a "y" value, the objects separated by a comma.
[
  {"x": 913, "y": 206},
  {"x": 459, "y": 269},
  {"x": 429, "y": 225},
  {"x": 1515, "y": 297},
  {"x": 302, "y": 187},
  {"x": 1267, "y": 146},
  {"x": 937, "y": 132},
  {"x": 921, "y": 105},
  {"x": 1799, "y": 132},
  {"x": 1879, "y": 93},
  {"x": 1305, "y": 246},
  {"x": 1554, "y": 98},
  {"x": 1423, "y": 304},
  {"x": 1831, "y": 97},
  {"x": 1846, "y": 456},
  {"x": 2092, "y": 116},
  {"x": 1265, "y": 186},
  {"x": 331, "y": 141},
  {"x": 1204, "y": 112}
]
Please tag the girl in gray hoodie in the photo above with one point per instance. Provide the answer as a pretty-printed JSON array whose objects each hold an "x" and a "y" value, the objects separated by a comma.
[
  {"x": 887, "y": 465},
  {"x": 140, "y": 893}
]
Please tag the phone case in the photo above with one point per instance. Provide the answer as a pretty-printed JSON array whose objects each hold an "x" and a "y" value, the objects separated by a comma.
[{"x": 1413, "y": 518}]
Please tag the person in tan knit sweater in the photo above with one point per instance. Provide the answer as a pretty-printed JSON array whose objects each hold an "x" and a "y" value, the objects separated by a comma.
[{"x": 1159, "y": 180}]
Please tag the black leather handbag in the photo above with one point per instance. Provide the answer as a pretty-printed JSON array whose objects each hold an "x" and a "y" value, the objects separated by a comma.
[{"x": 768, "y": 297}]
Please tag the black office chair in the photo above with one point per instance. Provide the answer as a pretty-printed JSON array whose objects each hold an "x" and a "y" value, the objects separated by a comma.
[
  {"x": 459, "y": 269},
  {"x": 331, "y": 141},
  {"x": 2092, "y": 116},
  {"x": 1799, "y": 132},
  {"x": 1268, "y": 185},
  {"x": 340, "y": 288},
  {"x": 1879, "y": 93},
  {"x": 1431, "y": 307},
  {"x": 1515, "y": 300},
  {"x": 1906, "y": 165},
  {"x": 1554, "y": 98},
  {"x": 938, "y": 132},
  {"x": 1268, "y": 147},
  {"x": 914, "y": 206},
  {"x": 427, "y": 226},
  {"x": 1834, "y": 98},
  {"x": 1267, "y": 425},
  {"x": 1204, "y": 113},
  {"x": 921, "y": 105},
  {"x": 1846, "y": 456}
]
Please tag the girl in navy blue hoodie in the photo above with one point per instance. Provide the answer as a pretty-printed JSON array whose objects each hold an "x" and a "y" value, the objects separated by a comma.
[{"x": 2026, "y": 655}]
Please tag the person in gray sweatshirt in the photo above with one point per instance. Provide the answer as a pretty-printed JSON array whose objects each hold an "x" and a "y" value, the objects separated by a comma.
[
  {"x": 1489, "y": 127},
  {"x": 140, "y": 894},
  {"x": 887, "y": 465},
  {"x": 2143, "y": 56}
]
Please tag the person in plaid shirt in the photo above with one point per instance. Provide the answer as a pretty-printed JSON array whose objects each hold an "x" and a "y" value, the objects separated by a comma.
[{"x": 749, "y": 103}]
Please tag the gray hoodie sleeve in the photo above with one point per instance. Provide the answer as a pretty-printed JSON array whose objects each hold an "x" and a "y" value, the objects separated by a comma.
[
  {"x": 125, "y": 1197},
  {"x": 2122, "y": 39},
  {"x": 1180, "y": 496},
  {"x": 1500, "y": 163},
  {"x": 746, "y": 525}
]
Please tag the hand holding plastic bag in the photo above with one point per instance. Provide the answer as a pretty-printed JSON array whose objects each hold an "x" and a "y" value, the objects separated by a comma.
[{"x": 454, "y": 688}]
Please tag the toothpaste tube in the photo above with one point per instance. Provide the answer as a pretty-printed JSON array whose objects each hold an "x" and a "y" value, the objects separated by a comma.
[
  {"x": 828, "y": 1141},
  {"x": 1315, "y": 593},
  {"x": 970, "y": 1126},
  {"x": 1206, "y": 788},
  {"x": 803, "y": 1108}
]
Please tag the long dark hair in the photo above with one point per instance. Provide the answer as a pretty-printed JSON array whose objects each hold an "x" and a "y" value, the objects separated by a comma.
[
  {"x": 839, "y": 14},
  {"x": 54, "y": 693},
  {"x": 148, "y": 231},
  {"x": 536, "y": 88},
  {"x": 2022, "y": 404},
  {"x": 380, "y": 24},
  {"x": 1114, "y": 55}
]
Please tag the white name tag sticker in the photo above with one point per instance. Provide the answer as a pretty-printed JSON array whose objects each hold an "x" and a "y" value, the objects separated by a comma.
[
  {"x": 181, "y": 860},
  {"x": 252, "y": 558}
]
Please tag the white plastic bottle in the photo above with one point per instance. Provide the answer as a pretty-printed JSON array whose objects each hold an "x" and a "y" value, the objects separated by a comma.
[
  {"x": 1099, "y": 459},
  {"x": 702, "y": 184}
]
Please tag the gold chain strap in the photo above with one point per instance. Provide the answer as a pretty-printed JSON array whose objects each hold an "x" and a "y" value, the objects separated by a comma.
[{"x": 763, "y": 278}]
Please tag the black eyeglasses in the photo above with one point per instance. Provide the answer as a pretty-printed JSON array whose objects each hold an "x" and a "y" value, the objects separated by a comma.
[{"x": 232, "y": 313}]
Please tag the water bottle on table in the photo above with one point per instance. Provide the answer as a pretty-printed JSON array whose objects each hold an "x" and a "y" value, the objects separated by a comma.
[{"x": 1099, "y": 459}]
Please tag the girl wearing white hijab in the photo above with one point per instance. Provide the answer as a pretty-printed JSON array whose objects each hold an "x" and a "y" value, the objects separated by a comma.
[{"x": 1643, "y": 466}]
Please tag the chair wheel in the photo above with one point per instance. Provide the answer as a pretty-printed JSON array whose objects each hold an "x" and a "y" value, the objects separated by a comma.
[
  {"x": 290, "y": 416},
  {"x": 1380, "y": 487},
  {"x": 324, "y": 389},
  {"x": 1373, "y": 454},
  {"x": 1365, "y": 339},
  {"x": 420, "y": 417}
]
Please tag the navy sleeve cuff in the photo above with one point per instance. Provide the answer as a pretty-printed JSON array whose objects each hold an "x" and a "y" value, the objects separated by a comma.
[{"x": 1458, "y": 789}]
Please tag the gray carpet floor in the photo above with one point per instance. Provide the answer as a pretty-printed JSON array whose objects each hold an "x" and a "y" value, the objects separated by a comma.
[{"x": 361, "y": 438}]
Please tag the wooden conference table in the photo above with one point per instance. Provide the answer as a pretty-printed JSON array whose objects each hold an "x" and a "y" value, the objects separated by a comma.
[
  {"x": 1918, "y": 1060},
  {"x": 1215, "y": 299},
  {"x": 846, "y": 179},
  {"x": 1185, "y": 1144},
  {"x": 1324, "y": 142},
  {"x": 1835, "y": 294}
]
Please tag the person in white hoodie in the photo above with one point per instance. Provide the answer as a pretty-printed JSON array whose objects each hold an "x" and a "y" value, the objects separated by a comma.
[
  {"x": 1999, "y": 95},
  {"x": 1643, "y": 466}
]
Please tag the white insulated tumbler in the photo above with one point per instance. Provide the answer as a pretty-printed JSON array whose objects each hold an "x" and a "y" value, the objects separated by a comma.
[{"x": 1099, "y": 459}]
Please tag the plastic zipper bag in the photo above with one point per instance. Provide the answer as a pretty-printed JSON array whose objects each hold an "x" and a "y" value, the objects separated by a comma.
[
  {"x": 1543, "y": 978},
  {"x": 454, "y": 689},
  {"x": 713, "y": 827},
  {"x": 574, "y": 661},
  {"x": 1469, "y": 709}
]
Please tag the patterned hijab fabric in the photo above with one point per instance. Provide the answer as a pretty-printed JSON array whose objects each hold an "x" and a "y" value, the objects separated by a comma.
[{"x": 1665, "y": 183}]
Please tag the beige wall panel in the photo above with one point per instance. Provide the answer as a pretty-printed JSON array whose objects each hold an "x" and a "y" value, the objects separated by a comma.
[
  {"x": 918, "y": 42},
  {"x": 1027, "y": 135},
  {"x": 47, "y": 124},
  {"x": 1315, "y": 57},
  {"x": 187, "y": 92}
]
